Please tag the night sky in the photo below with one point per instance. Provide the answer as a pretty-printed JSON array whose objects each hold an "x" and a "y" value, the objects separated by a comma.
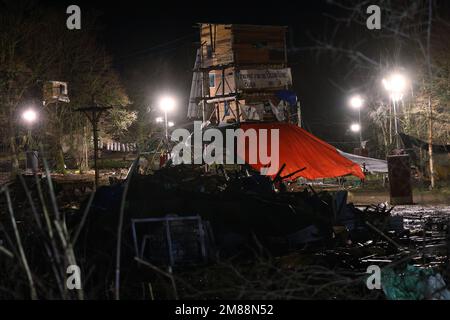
[{"x": 153, "y": 45}]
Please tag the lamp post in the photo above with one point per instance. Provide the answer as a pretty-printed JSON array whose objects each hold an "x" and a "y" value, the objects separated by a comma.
[
  {"x": 355, "y": 127},
  {"x": 395, "y": 84},
  {"x": 94, "y": 114},
  {"x": 166, "y": 104},
  {"x": 167, "y": 124},
  {"x": 30, "y": 116},
  {"x": 356, "y": 102}
]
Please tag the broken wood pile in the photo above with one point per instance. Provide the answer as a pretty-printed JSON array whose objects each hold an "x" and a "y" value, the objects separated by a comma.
[
  {"x": 243, "y": 206},
  {"x": 243, "y": 217}
]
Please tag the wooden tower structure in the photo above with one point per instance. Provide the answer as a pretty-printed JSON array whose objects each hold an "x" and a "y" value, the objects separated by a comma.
[{"x": 242, "y": 70}]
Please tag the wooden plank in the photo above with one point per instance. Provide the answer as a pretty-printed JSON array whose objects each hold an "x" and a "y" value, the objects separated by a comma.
[
  {"x": 238, "y": 46},
  {"x": 272, "y": 42},
  {"x": 262, "y": 56},
  {"x": 259, "y": 34},
  {"x": 248, "y": 43},
  {"x": 223, "y": 42},
  {"x": 250, "y": 35},
  {"x": 249, "y": 27},
  {"x": 218, "y": 60},
  {"x": 220, "y": 31}
]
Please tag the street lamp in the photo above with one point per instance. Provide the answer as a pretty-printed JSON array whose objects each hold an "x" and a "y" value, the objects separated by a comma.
[
  {"x": 356, "y": 102},
  {"x": 355, "y": 127},
  {"x": 29, "y": 116},
  {"x": 166, "y": 104},
  {"x": 395, "y": 84},
  {"x": 170, "y": 124},
  {"x": 159, "y": 119}
]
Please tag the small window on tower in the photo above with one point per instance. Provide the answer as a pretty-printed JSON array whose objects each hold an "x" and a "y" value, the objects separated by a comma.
[{"x": 212, "y": 80}]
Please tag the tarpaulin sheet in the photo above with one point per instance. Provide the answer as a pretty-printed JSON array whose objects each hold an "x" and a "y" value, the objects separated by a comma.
[
  {"x": 300, "y": 149},
  {"x": 370, "y": 164}
]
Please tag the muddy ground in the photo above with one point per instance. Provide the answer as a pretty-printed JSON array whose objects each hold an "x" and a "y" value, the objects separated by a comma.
[{"x": 365, "y": 197}]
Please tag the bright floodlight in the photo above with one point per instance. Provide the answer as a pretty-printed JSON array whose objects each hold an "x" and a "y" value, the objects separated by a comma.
[
  {"x": 398, "y": 83},
  {"x": 355, "y": 127},
  {"x": 167, "y": 104},
  {"x": 29, "y": 115},
  {"x": 159, "y": 119},
  {"x": 170, "y": 124},
  {"x": 356, "y": 102},
  {"x": 395, "y": 84}
]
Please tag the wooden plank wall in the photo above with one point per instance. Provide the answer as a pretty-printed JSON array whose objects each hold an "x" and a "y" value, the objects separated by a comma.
[
  {"x": 259, "y": 45},
  {"x": 221, "y": 44},
  {"x": 248, "y": 44}
]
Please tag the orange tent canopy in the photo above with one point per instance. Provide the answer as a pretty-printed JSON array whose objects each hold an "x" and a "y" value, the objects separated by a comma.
[{"x": 300, "y": 149}]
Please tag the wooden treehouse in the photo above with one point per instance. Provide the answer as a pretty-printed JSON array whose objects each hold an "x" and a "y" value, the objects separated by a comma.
[{"x": 241, "y": 74}]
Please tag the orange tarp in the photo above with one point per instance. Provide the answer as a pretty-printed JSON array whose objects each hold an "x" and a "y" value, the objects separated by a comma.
[{"x": 300, "y": 149}]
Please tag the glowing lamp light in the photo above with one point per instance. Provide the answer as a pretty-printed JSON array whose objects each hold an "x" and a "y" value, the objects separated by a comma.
[
  {"x": 355, "y": 127},
  {"x": 398, "y": 83},
  {"x": 29, "y": 116},
  {"x": 356, "y": 102},
  {"x": 159, "y": 119},
  {"x": 395, "y": 84},
  {"x": 170, "y": 124},
  {"x": 167, "y": 104}
]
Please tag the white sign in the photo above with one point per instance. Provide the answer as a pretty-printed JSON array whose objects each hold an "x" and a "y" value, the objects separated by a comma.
[{"x": 263, "y": 78}]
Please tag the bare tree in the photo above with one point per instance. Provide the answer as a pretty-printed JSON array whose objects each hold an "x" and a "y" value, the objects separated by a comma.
[
  {"x": 22, "y": 61},
  {"x": 411, "y": 32},
  {"x": 37, "y": 47}
]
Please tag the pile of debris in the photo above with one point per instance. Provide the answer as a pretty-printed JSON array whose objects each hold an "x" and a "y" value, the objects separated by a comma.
[
  {"x": 242, "y": 206},
  {"x": 182, "y": 216}
]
